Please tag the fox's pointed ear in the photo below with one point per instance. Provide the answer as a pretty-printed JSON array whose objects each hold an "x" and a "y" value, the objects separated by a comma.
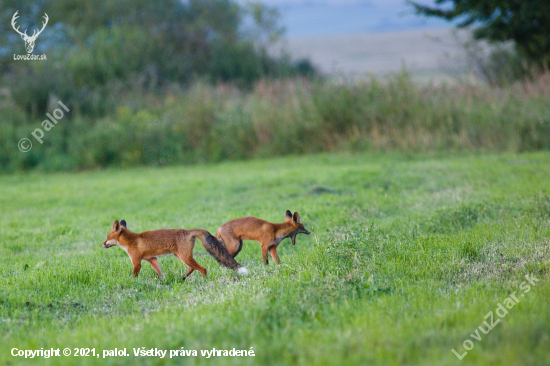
[
  {"x": 296, "y": 217},
  {"x": 123, "y": 223},
  {"x": 116, "y": 226},
  {"x": 288, "y": 215}
]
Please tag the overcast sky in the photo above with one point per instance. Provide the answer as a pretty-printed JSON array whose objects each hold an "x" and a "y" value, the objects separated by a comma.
[
  {"x": 377, "y": 3},
  {"x": 331, "y": 2},
  {"x": 306, "y": 18}
]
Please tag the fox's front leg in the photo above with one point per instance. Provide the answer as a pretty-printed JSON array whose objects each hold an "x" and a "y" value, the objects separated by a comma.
[
  {"x": 273, "y": 252},
  {"x": 156, "y": 266},
  {"x": 137, "y": 265},
  {"x": 264, "y": 255}
]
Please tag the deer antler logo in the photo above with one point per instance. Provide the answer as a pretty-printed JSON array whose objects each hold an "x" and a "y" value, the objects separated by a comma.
[{"x": 29, "y": 41}]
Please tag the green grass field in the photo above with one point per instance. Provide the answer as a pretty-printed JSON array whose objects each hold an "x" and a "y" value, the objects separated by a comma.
[{"x": 408, "y": 255}]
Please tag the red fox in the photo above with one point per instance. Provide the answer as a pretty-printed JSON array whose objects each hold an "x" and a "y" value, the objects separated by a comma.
[
  {"x": 268, "y": 234},
  {"x": 150, "y": 244}
]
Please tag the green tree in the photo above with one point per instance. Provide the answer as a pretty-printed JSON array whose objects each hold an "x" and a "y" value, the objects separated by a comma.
[
  {"x": 94, "y": 48},
  {"x": 525, "y": 22}
]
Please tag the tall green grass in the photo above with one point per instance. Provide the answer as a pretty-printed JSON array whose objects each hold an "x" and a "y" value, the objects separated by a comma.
[
  {"x": 408, "y": 254},
  {"x": 213, "y": 123}
]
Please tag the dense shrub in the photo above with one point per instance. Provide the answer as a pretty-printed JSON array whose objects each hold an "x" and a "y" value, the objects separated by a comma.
[{"x": 208, "y": 123}]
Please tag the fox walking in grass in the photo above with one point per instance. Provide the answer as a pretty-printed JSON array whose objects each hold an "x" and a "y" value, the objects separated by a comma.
[
  {"x": 150, "y": 244},
  {"x": 268, "y": 234}
]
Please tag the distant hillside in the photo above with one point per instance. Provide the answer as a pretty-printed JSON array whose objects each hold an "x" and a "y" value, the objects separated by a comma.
[{"x": 425, "y": 53}]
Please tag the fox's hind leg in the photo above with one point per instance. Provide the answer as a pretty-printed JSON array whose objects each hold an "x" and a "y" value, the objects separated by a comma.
[
  {"x": 235, "y": 247},
  {"x": 189, "y": 271},
  {"x": 240, "y": 248},
  {"x": 232, "y": 244},
  {"x": 191, "y": 263}
]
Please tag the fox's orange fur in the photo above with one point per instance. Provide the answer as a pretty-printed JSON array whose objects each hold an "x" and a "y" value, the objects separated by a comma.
[
  {"x": 150, "y": 244},
  {"x": 268, "y": 234}
]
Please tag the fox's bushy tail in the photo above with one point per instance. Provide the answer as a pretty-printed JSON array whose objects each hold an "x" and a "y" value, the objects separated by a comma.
[{"x": 218, "y": 251}]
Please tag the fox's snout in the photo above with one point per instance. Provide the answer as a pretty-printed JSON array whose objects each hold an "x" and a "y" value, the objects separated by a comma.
[{"x": 109, "y": 243}]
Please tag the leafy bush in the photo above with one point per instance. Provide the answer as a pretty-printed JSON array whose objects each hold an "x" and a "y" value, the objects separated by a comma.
[{"x": 208, "y": 123}]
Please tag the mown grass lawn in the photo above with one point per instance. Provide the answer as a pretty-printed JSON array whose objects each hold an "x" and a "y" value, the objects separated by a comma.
[{"x": 408, "y": 255}]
